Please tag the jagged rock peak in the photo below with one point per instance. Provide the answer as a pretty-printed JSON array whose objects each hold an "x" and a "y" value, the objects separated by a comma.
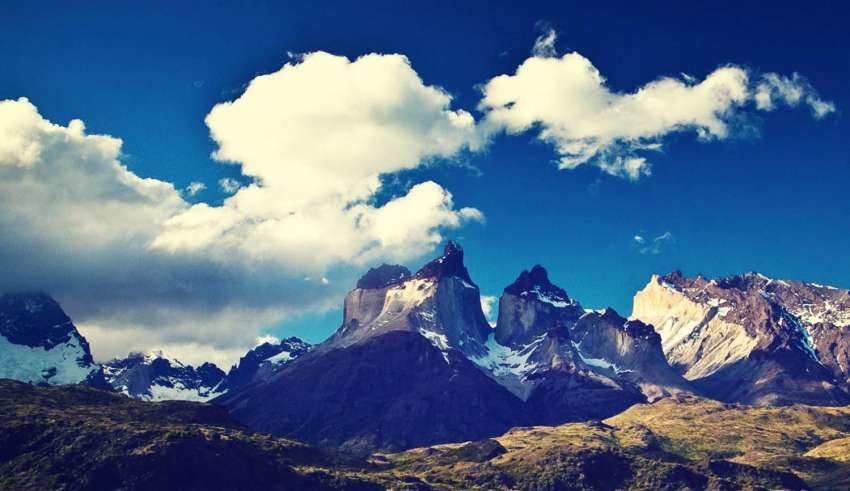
[
  {"x": 34, "y": 319},
  {"x": 263, "y": 361},
  {"x": 634, "y": 328},
  {"x": 383, "y": 276},
  {"x": 448, "y": 265},
  {"x": 675, "y": 277},
  {"x": 536, "y": 280},
  {"x": 535, "y": 283}
]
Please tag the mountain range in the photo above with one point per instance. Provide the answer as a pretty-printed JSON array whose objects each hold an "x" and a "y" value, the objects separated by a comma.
[{"x": 415, "y": 363}]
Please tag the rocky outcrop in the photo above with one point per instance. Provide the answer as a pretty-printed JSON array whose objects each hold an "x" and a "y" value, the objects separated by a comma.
[
  {"x": 746, "y": 338},
  {"x": 39, "y": 344}
]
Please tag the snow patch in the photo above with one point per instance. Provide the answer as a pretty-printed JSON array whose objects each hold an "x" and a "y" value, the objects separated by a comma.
[
  {"x": 61, "y": 364},
  {"x": 440, "y": 341},
  {"x": 597, "y": 362},
  {"x": 282, "y": 357},
  {"x": 502, "y": 360},
  {"x": 179, "y": 392},
  {"x": 551, "y": 299}
]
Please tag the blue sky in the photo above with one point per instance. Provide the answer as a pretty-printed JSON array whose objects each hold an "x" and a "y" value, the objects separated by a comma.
[{"x": 771, "y": 197}]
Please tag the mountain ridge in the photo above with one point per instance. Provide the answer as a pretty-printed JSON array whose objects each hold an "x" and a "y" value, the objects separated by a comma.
[
  {"x": 415, "y": 345},
  {"x": 540, "y": 376},
  {"x": 748, "y": 329}
]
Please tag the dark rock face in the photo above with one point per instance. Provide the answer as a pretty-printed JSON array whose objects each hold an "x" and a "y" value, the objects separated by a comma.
[
  {"x": 35, "y": 320},
  {"x": 536, "y": 280},
  {"x": 448, "y": 265},
  {"x": 41, "y": 345},
  {"x": 390, "y": 392},
  {"x": 264, "y": 361},
  {"x": 752, "y": 339},
  {"x": 383, "y": 276},
  {"x": 154, "y": 377}
]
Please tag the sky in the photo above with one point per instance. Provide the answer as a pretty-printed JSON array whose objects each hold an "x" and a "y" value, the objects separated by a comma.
[{"x": 191, "y": 176}]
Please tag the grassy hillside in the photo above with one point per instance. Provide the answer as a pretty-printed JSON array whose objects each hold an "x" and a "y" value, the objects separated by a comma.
[
  {"x": 686, "y": 444},
  {"x": 77, "y": 438}
]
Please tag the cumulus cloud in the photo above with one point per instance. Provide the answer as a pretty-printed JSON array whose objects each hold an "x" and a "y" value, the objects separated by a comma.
[
  {"x": 267, "y": 338},
  {"x": 229, "y": 185},
  {"x": 569, "y": 102},
  {"x": 544, "y": 45},
  {"x": 775, "y": 89},
  {"x": 75, "y": 222},
  {"x": 653, "y": 246},
  {"x": 194, "y": 188},
  {"x": 139, "y": 268},
  {"x": 316, "y": 137}
]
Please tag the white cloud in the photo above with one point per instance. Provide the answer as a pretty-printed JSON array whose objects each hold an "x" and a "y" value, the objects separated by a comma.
[
  {"x": 266, "y": 338},
  {"x": 544, "y": 45},
  {"x": 75, "y": 222},
  {"x": 139, "y": 268},
  {"x": 568, "y": 100},
  {"x": 776, "y": 89},
  {"x": 229, "y": 185},
  {"x": 654, "y": 246},
  {"x": 194, "y": 188},
  {"x": 316, "y": 136},
  {"x": 488, "y": 306}
]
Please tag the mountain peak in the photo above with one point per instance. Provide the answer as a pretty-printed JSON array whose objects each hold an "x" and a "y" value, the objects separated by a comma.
[
  {"x": 452, "y": 247},
  {"x": 34, "y": 319},
  {"x": 383, "y": 276},
  {"x": 536, "y": 281},
  {"x": 448, "y": 265}
]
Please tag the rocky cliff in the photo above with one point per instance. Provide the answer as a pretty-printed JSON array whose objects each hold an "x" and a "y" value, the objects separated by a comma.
[{"x": 750, "y": 338}]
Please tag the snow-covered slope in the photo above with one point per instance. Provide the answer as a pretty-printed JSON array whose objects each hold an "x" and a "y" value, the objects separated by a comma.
[
  {"x": 39, "y": 344},
  {"x": 750, "y": 338},
  {"x": 155, "y": 377}
]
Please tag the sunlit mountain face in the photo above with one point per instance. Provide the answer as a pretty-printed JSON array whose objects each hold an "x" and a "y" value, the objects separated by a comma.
[{"x": 436, "y": 246}]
